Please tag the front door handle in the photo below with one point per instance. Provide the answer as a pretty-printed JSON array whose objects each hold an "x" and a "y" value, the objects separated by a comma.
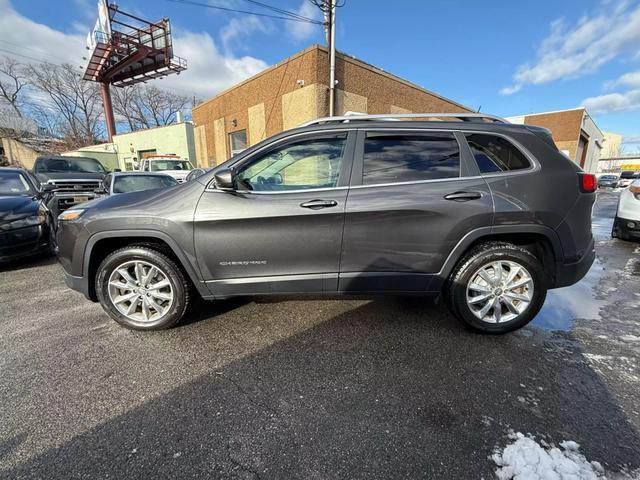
[
  {"x": 463, "y": 196},
  {"x": 318, "y": 204}
]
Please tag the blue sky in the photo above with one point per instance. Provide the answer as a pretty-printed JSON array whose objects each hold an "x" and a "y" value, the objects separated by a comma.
[{"x": 509, "y": 57}]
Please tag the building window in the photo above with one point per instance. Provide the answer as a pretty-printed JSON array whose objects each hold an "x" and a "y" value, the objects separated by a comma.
[
  {"x": 495, "y": 154},
  {"x": 409, "y": 158},
  {"x": 238, "y": 141}
]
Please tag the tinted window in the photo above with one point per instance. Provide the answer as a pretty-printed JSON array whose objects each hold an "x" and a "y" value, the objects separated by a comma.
[
  {"x": 69, "y": 164},
  {"x": 628, "y": 174},
  {"x": 296, "y": 166},
  {"x": 161, "y": 165},
  {"x": 495, "y": 154},
  {"x": 408, "y": 158},
  {"x": 136, "y": 183}
]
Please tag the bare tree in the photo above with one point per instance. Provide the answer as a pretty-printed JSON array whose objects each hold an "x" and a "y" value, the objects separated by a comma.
[
  {"x": 143, "y": 106},
  {"x": 13, "y": 80},
  {"x": 74, "y": 107}
]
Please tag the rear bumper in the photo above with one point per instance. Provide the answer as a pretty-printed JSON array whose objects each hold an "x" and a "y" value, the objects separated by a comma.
[{"x": 570, "y": 273}]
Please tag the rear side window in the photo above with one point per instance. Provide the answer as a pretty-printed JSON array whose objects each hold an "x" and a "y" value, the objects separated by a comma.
[
  {"x": 409, "y": 158},
  {"x": 495, "y": 154}
]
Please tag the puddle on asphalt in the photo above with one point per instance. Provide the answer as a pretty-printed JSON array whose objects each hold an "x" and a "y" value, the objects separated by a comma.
[{"x": 564, "y": 305}]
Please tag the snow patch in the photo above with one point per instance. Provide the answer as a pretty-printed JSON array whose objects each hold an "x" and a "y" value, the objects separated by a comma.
[{"x": 526, "y": 459}]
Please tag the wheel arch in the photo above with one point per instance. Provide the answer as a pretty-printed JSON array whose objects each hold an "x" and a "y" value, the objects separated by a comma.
[
  {"x": 542, "y": 241},
  {"x": 103, "y": 243}
]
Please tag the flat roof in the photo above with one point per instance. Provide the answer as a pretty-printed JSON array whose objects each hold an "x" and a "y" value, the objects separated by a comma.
[{"x": 342, "y": 56}]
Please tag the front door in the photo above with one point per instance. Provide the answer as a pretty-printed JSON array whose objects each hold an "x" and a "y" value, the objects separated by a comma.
[
  {"x": 280, "y": 230},
  {"x": 414, "y": 195}
]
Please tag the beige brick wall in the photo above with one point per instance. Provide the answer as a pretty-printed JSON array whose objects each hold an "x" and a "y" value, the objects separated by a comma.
[
  {"x": 349, "y": 102},
  {"x": 257, "y": 125},
  {"x": 303, "y": 105},
  {"x": 18, "y": 154},
  {"x": 220, "y": 141}
]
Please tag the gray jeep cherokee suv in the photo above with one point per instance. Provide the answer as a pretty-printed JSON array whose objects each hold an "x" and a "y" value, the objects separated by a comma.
[{"x": 487, "y": 213}]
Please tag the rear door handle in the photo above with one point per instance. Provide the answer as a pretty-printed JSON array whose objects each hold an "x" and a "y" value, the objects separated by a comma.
[
  {"x": 463, "y": 196},
  {"x": 318, "y": 204}
]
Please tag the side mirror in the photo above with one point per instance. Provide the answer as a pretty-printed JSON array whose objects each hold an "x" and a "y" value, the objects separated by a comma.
[
  {"x": 100, "y": 191},
  {"x": 47, "y": 187},
  {"x": 224, "y": 179}
]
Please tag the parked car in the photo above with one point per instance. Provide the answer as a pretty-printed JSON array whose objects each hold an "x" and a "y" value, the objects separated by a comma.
[
  {"x": 626, "y": 224},
  {"x": 177, "y": 167},
  {"x": 627, "y": 177},
  {"x": 25, "y": 222},
  {"x": 127, "y": 182},
  {"x": 74, "y": 179},
  {"x": 488, "y": 213},
  {"x": 610, "y": 181}
]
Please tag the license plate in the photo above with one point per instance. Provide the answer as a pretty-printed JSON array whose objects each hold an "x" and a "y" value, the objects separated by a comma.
[{"x": 80, "y": 199}]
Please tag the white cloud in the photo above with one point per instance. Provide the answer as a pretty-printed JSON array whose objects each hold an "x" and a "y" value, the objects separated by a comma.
[
  {"x": 570, "y": 52},
  {"x": 300, "y": 31},
  {"x": 242, "y": 26},
  {"x": 617, "y": 101},
  {"x": 208, "y": 72},
  {"x": 613, "y": 102},
  {"x": 631, "y": 139}
]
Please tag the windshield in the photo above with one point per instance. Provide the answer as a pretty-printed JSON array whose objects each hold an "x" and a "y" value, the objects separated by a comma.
[
  {"x": 608, "y": 177},
  {"x": 160, "y": 165},
  {"x": 14, "y": 183},
  {"x": 71, "y": 164},
  {"x": 136, "y": 183}
]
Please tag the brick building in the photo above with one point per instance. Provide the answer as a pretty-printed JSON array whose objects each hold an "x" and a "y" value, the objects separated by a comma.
[
  {"x": 296, "y": 90},
  {"x": 574, "y": 133}
]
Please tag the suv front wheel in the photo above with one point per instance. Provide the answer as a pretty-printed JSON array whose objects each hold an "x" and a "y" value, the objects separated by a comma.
[
  {"x": 142, "y": 288},
  {"x": 497, "y": 288}
]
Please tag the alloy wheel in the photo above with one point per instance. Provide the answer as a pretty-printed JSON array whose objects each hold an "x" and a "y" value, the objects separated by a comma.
[
  {"x": 500, "y": 291},
  {"x": 140, "y": 291}
]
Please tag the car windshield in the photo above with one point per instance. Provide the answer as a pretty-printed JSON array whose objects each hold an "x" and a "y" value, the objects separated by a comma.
[
  {"x": 628, "y": 174},
  {"x": 71, "y": 165},
  {"x": 14, "y": 183},
  {"x": 608, "y": 177},
  {"x": 136, "y": 183},
  {"x": 160, "y": 165}
]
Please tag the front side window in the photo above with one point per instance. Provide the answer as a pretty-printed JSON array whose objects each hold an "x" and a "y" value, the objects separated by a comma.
[
  {"x": 495, "y": 154},
  {"x": 408, "y": 158},
  {"x": 297, "y": 166}
]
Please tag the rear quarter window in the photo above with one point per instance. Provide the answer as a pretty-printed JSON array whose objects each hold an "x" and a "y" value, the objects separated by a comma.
[{"x": 495, "y": 154}]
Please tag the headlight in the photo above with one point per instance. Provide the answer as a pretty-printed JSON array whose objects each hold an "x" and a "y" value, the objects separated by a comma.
[
  {"x": 38, "y": 218},
  {"x": 71, "y": 214}
]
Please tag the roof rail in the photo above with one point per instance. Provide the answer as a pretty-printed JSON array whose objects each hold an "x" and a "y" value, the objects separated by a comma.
[{"x": 465, "y": 117}]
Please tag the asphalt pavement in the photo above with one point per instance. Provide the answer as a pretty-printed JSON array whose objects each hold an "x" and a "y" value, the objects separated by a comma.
[{"x": 276, "y": 388}]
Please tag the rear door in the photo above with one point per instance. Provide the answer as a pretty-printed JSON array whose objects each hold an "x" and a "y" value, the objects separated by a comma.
[
  {"x": 280, "y": 230},
  {"x": 414, "y": 194}
]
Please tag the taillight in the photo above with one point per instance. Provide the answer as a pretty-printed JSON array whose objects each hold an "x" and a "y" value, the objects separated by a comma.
[{"x": 588, "y": 182}]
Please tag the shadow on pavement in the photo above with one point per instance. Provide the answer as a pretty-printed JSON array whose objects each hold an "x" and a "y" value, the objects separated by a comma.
[{"x": 390, "y": 389}]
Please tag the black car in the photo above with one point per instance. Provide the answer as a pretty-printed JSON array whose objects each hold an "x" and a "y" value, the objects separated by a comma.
[
  {"x": 74, "y": 179},
  {"x": 25, "y": 221},
  {"x": 487, "y": 213}
]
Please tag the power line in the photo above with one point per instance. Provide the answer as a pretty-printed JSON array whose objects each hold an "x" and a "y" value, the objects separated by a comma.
[
  {"x": 280, "y": 10},
  {"x": 33, "y": 50},
  {"x": 218, "y": 7}
]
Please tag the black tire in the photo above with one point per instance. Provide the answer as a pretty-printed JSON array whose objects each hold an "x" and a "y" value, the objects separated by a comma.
[
  {"x": 180, "y": 286},
  {"x": 456, "y": 287}
]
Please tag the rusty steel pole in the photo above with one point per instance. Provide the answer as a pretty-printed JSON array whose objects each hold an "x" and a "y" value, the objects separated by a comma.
[{"x": 108, "y": 110}]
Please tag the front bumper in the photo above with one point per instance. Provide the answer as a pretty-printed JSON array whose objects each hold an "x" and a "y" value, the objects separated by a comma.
[
  {"x": 79, "y": 284},
  {"x": 570, "y": 273},
  {"x": 23, "y": 242},
  {"x": 623, "y": 230}
]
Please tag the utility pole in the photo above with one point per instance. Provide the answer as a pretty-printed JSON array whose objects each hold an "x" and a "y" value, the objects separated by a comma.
[{"x": 331, "y": 38}]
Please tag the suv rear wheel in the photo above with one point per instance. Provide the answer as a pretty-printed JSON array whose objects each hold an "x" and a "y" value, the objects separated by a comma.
[
  {"x": 497, "y": 288},
  {"x": 142, "y": 289}
]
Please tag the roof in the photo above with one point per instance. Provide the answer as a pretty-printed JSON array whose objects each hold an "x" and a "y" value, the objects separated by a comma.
[
  {"x": 341, "y": 56},
  {"x": 37, "y": 144},
  {"x": 547, "y": 113}
]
